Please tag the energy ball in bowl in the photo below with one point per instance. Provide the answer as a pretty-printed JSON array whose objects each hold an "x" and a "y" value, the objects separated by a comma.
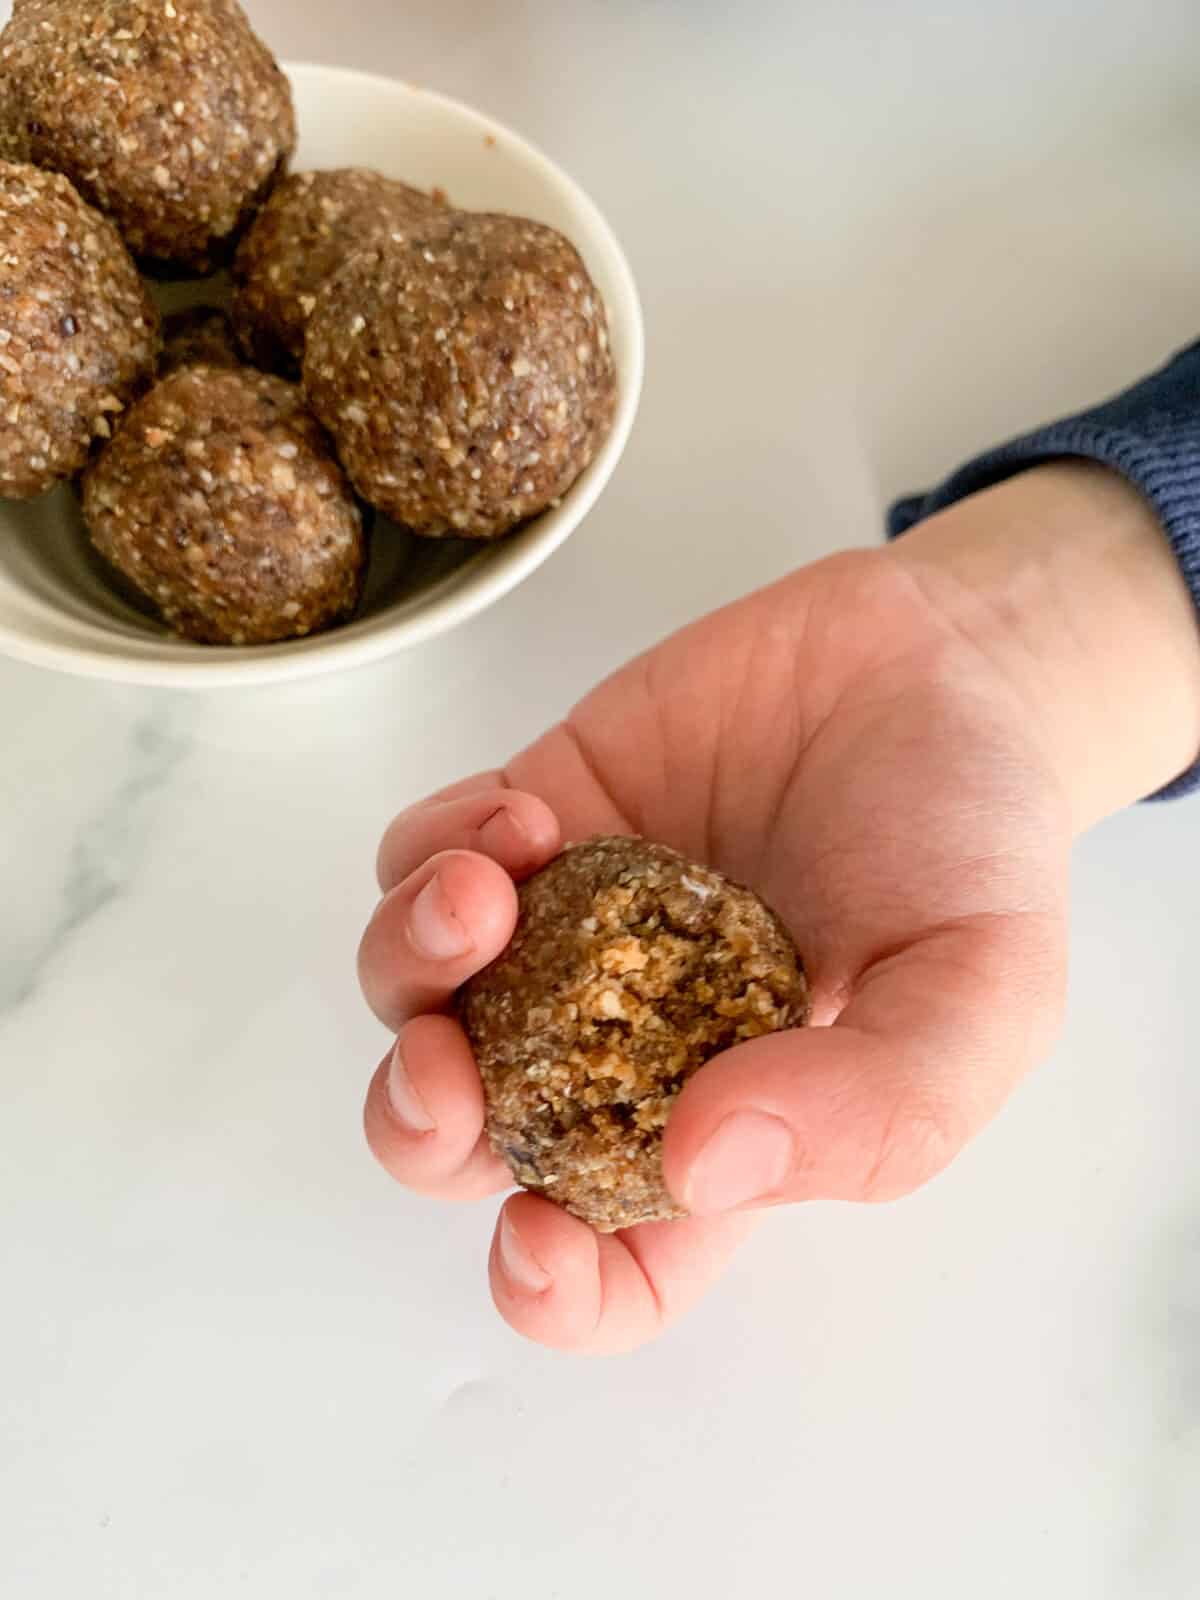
[
  {"x": 221, "y": 501},
  {"x": 630, "y": 967},
  {"x": 464, "y": 372},
  {"x": 171, "y": 116},
  {"x": 78, "y": 333},
  {"x": 311, "y": 224},
  {"x": 202, "y": 336}
]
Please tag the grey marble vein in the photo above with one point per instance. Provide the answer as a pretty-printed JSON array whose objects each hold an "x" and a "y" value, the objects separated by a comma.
[{"x": 105, "y": 854}]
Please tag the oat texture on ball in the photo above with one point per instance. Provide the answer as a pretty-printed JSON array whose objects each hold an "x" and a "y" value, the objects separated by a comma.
[
  {"x": 220, "y": 499},
  {"x": 464, "y": 372},
  {"x": 171, "y": 116},
  {"x": 630, "y": 967},
  {"x": 312, "y": 223},
  {"x": 78, "y": 333}
]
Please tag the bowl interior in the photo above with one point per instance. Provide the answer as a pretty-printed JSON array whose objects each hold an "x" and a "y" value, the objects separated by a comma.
[{"x": 60, "y": 606}]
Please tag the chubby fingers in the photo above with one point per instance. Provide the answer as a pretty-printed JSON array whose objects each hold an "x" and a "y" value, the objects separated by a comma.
[
  {"x": 448, "y": 868},
  {"x": 430, "y": 933},
  {"x": 424, "y": 1115},
  {"x": 514, "y": 829},
  {"x": 561, "y": 1284}
]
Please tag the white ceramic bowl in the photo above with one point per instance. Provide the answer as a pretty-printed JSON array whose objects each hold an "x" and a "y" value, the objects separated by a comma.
[{"x": 58, "y": 610}]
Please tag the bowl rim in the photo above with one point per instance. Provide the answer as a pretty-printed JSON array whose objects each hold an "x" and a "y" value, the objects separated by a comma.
[{"x": 343, "y": 649}]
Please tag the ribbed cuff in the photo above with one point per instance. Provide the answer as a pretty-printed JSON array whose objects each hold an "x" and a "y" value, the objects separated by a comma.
[{"x": 1150, "y": 434}]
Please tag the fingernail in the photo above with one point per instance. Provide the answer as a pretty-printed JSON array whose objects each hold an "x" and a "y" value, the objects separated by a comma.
[
  {"x": 504, "y": 837},
  {"x": 409, "y": 1110},
  {"x": 521, "y": 1269},
  {"x": 435, "y": 930},
  {"x": 747, "y": 1158}
]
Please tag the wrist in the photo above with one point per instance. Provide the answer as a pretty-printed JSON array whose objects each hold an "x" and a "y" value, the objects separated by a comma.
[{"x": 1064, "y": 578}]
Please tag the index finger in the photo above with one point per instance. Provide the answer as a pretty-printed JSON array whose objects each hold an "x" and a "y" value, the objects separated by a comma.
[
  {"x": 432, "y": 932},
  {"x": 517, "y": 830}
]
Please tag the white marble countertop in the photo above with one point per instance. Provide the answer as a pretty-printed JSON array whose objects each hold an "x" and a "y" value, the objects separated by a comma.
[{"x": 870, "y": 235}]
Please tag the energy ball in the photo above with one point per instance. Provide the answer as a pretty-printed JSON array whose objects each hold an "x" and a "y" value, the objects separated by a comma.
[
  {"x": 464, "y": 373},
  {"x": 170, "y": 116},
  {"x": 221, "y": 501},
  {"x": 307, "y": 229},
  {"x": 199, "y": 337},
  {"x": 78, "y": 332},
  {"x": 629, "y": 968}
]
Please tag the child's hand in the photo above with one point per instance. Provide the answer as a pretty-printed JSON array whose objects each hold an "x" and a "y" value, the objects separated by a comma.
[{"x": 894, "y": 748}]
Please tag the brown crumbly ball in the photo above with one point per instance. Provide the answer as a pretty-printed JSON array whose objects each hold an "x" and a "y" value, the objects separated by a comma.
[
  {"x": 313, "y": 222},
  {"x": 630, "y": 968},
  {"x": 220, "y": 499},
  {"x": 170, "y": 116},
  {"x": 78, "y": 333},
  {"x": 202, "y": 336},
  {"x": 464, "y": 373}
]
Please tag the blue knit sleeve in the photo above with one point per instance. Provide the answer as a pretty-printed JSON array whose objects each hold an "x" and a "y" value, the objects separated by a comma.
[{"x": 1150, "y": 434}]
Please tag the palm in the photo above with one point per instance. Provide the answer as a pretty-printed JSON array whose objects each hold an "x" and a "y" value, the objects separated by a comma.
[{"x": 834, "y": 744}]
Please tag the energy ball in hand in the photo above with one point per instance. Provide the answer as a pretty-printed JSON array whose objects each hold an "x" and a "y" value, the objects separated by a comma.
[
  {"x": 171, "y": 116},
  {"x": 464, "y": 373},
  {"x": 630, "y": 967},
  {"x": 222, "y": 502},
  {"x": 202, "y": 336},
  {"x": 78, "y": 333},
  {"x": 308, "y": 228}
]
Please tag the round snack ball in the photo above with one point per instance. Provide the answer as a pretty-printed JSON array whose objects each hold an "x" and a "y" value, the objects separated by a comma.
[
  {"x": 221, "y": 501},
  {"x": 629, "y": 968},
  {"x": 78, "y": 332},
  {"x": 202, "y": 336},
  {"x": 311, "y": 224},
  {"x": 171, "y": 116},
  {"x": 464, "y": 373}
]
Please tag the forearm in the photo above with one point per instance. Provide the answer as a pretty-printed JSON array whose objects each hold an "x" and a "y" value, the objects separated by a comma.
[{"x": 1063, "y": 576}]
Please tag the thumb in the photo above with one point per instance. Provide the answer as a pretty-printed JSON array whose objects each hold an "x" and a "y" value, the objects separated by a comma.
[{"x": 927, "y": 1050}]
